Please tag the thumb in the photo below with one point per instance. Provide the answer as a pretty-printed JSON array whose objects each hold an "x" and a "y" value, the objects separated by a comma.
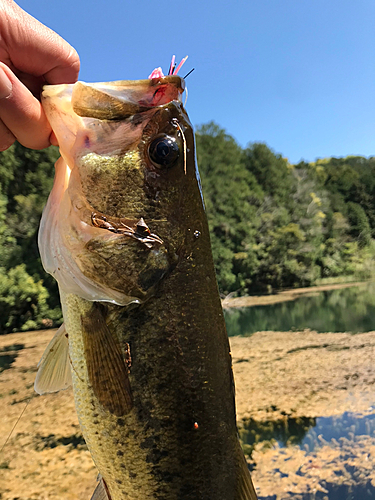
[{"x": 21, "y": 114}]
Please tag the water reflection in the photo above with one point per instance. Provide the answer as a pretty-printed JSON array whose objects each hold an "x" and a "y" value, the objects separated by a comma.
[
  {"x": 330, "y": 430},
  {"x": 335, "y": 460},
  {"x": 307, "y": 433},
  {"x": 285, "y": 431},
  {"x": 322, "y": 458},
  {"x": 347, "y": 309}
]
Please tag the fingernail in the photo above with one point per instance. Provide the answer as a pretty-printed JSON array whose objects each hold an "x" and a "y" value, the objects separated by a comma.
[{"x": 5, "y": 85}]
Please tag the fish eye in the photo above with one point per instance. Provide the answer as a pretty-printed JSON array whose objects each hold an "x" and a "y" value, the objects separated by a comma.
[{"x": 163, "y": 151}]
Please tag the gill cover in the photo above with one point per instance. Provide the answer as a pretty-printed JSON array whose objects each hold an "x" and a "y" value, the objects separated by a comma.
[{"x": 98, "y": 128}]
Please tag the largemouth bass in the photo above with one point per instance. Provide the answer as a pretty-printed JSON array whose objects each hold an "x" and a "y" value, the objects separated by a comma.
[{"x": 144, "y": 341}]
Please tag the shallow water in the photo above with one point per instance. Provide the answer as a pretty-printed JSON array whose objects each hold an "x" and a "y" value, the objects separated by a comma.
[
  {"x": 341, "y": 443},
  {"x": 351, "y": 438},
  {"x": 310, "y": 433},
  {"x": 330, "y": 430},
  {"x": 344, "y": 310}
]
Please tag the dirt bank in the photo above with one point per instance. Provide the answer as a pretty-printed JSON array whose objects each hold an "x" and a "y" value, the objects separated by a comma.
[
  {"x": 46, "y": 457},
  {"x": 284, "y": 296}
]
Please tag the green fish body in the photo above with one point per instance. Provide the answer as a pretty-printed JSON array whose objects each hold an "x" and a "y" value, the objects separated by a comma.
[{"x": 126, "y": 236}]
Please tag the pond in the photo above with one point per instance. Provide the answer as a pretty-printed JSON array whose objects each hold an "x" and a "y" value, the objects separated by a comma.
[
  {"x": 336, "y": 464},
  {"x": 309, "y": 433},
  {"x": 344, "y": 310},
  {"x": 326, "y": 455}
]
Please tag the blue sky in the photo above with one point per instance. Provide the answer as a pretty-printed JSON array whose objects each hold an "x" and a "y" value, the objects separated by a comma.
[{"x": 296, "y": 74}]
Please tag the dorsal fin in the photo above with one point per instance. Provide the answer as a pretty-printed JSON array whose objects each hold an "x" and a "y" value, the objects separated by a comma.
[
  {"x": 101, "y": 492},
  {"x": 54, "y": 372}
]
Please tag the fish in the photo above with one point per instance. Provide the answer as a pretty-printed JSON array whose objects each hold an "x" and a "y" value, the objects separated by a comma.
[{"x": 144, "y": 342}]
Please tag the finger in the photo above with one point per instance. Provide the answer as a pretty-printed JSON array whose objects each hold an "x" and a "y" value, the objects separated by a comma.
[
  {"x": 35, "y": 49},
  {"x": 21, "y": 112},
  {"x": 6, "y": 137}
]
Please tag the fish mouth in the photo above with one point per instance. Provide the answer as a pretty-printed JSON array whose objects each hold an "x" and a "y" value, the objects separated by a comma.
[
  {"x": 122, "y": 99},
  {"x": 84, "y": 115},
  {"x": 114, "y": 100}
]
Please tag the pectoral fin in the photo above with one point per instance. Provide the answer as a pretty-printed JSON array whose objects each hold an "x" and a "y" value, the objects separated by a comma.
[
  {"x": 54, "y": 372},
  {"x": 101, "y": 492},
  {"x": 107, "y": 370},
  {"x": 244, "y": 487}
]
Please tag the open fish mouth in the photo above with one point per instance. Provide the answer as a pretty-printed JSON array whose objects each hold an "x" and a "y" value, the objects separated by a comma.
[
  {"x": 95, "y": 210},
  {"x": 111, "y": 101},
  {"x": 73, "y": 108}
]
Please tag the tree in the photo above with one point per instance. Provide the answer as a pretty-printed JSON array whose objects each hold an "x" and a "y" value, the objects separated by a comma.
[
  {"x": 28, "y": 296},
  {"x": 359, "y": 224},
  {"x": 271, "y": 170},
  {"x": 232, "y": 197}
]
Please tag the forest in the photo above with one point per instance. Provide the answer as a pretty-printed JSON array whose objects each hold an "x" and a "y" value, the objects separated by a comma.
[{"x": 273, "y": 225}]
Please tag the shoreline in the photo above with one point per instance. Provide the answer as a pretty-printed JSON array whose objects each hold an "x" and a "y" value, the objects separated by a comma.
[
  {"x": 284, "y": 295},
  {"x": 286, "y": 381},
  {"x": 282, "y": 378}
]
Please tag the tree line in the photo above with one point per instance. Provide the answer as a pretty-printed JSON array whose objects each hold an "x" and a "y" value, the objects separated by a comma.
[{"x": 273, "y": 225}]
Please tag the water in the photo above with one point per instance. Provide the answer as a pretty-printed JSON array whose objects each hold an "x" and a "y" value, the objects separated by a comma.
[
  {"x": 339, "y": 452},
  {"x": 346, "y": 310},
  {"x": 342, "y": 445},
  {"x": 330, "y": 430},
  {"x": 286, "y": 431},
  {"x": 308, "y": 433}
]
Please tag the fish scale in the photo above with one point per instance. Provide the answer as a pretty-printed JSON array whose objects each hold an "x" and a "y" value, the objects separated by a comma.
[{"x": 148, "y": 349}]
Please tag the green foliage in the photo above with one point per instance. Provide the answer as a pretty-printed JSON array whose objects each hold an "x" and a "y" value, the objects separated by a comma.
[
  {"x": 359, "y": 224},
  {"x": 232, "y": 196},
  {"x": 273, "y": 225},
  {"x": 271, "y": 171},
  {"x": 23, "y": 302},
  {"x": 28, "y": 297}
]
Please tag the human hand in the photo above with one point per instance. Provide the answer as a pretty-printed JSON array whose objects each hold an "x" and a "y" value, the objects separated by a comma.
[{"x": 31, "y": 55}]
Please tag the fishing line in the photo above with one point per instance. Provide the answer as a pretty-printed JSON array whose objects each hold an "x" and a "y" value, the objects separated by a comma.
[
  {"x": 184, "y": 141},
  {"x": 15, "y": 425}
]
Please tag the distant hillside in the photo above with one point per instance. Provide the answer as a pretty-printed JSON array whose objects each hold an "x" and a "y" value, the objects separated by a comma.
[{"x": 276, "y": 225}]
